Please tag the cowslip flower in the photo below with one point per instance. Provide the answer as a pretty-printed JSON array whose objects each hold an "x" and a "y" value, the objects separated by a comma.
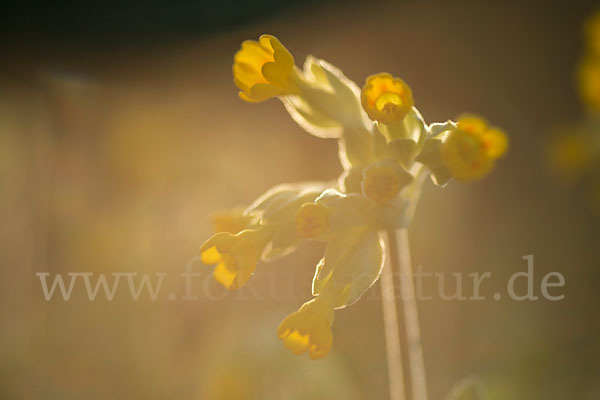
[
  {"x": 309, "y": 329},
  {"x": 472, "y": 147},
  {"x": 387, "y": 151},
  {"x": 382, "y": 182},
  {"x": 386, "y": 99},
  {"x": 235, "y": 255},
  {"x": 264, "y": 230},
  {"x": 263, "y": 69}
]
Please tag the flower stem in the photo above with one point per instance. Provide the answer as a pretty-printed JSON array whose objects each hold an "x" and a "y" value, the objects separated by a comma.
[
  {"x": 400, "y": 251},
  {"x": 392, "y": 331}
]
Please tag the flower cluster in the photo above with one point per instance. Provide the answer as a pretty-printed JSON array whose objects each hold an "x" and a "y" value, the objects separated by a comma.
[
  {"x": 387, "y": 152},
  {"x": 574, "y": 152}
]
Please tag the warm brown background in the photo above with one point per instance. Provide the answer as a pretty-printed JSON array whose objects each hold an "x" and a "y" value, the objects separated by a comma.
[{"x": 113, "y": 156}]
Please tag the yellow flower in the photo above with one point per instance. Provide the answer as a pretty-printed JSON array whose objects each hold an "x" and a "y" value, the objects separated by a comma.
[
  {"x": 589, "y": 82},
  {"x": 235, "y": 256},
  {"x": 309, "y": 328},
  {"x": 265, "y": 230},
  {"x": 471, "y": 149},
  {"x": 386, "y": 99},
  {"x": 471, "y": 123},
  {"x": 312, "y": 220},
  {"x": 382, "y": 182},
  {"x": 263, "y": 69},
  {"x": 351, "y": 264}
]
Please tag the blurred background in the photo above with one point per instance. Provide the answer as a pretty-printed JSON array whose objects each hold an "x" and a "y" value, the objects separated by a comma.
[{"x": 121, "y": 133}]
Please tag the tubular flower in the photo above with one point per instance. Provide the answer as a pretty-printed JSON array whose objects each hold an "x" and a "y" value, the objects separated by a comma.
[
  {"x": 382, "y": 183},
  {"x": 229, "y": 223},
  {"x": 235, "y": 256},
  {"x": 263, "y": 69},
  {"x": 312, "y": 220},
  {"x": 386, "y": 99},
  {"x": 386, "y": 149},
  {"x": 471, "y": 149},
  {"x": 309, "y": 328},
  {"x": 263, "y": 231},
  {"x": 352, "y": 263}
]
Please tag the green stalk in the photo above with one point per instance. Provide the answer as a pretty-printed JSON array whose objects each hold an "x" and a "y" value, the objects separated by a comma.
[
  {"x": 400, "y": 252},
  {"x": 391, "y": 329}
]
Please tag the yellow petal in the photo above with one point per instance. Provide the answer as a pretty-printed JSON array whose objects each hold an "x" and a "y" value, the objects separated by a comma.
[
  {"x": 263, "y": 69},
  {"x": 386, "y": 99},
  {"x": 495, "y": 142},
  {"x": 465, "y": 155},
  {"x": 225, "y": 273},
  {"x": 321, "y": 341},
  {"x": 263, "y": 91},
  {"x": 296, "y": 342},
  {"x": 281, "y": 54},
  {"x": 211, "y": 256},
  {"x": 472, "y": 123},
  {"x": 308, "y": 329}
]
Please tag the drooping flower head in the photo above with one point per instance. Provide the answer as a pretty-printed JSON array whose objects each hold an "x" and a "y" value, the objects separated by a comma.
[
  {"x": 386, "y": 149},
  {"x": 263, "y": 69},
  {"x": 386, "y": 99}
]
